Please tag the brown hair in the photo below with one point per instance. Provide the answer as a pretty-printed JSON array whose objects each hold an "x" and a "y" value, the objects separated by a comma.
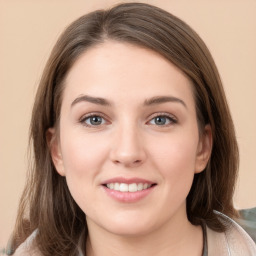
[{"x": 46, "y": 203}]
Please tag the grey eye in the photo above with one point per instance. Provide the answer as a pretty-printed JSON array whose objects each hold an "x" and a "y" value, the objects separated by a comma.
[
  {"x": 161, "y": 120},
  {"x": 94, "y": 120}
]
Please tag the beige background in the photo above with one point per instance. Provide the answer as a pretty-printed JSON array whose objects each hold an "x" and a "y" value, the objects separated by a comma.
[{"x": 28, "y": 30}]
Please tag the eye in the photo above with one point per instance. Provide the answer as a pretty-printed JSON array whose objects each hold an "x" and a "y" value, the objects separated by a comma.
[
  {"x": 93, "y": 120},
  {"x": 162, "y": 120}
]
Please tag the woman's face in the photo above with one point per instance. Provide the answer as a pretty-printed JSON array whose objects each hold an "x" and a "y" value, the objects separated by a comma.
[{"x": 129, "y": 144}]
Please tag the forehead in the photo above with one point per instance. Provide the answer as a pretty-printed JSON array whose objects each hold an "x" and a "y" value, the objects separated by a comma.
[{"x": 119, "y": 69}]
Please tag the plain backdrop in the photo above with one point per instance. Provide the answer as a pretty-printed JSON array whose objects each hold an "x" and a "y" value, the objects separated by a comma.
[{"x": 29, "y": 29}]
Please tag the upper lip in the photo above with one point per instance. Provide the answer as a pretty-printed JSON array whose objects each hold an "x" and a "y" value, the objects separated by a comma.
[{"x": 127, "y": 180}]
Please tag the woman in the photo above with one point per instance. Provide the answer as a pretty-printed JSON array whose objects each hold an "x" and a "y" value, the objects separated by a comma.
[{"x": 134, "y": 146}]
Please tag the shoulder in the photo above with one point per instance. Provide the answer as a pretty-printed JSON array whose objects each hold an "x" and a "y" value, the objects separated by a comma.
[
  {"x": 28, "y": 248},
  {"x": 234, "y": 241}
]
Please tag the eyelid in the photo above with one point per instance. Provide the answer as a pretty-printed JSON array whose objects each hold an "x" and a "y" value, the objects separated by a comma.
[
  {"x": 88, "y": 115},
  {"x": 172, "y": 118}
]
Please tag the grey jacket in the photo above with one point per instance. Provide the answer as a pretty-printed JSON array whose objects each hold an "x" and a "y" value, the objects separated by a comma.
[{"x": 233, "y": 242}]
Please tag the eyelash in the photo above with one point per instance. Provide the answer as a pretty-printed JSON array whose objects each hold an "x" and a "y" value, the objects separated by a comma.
[
  {"x": 90, "y": 115},
  {"x": 171, "y": 119}
]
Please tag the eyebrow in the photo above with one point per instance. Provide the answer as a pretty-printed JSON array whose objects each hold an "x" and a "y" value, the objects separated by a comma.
[
  {"x": 163, "y": 99},
  {"x": 148, "y": 102},
  {"x": 94, "y": 100}
]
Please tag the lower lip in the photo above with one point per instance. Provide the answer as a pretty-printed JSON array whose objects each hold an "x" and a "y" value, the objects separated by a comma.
[{"x": 128, "y": 197}]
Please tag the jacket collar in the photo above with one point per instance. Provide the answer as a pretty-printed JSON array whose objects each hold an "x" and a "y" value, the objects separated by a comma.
[{"x": 233, "y": 242}]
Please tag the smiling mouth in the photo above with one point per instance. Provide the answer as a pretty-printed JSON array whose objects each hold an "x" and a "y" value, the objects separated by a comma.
[{"x": 124, "y": 187}]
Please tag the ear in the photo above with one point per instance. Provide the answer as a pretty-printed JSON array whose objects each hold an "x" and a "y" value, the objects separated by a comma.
[
  {"x": 204, "y": 149},
  {"x": 54, "y": 147}
]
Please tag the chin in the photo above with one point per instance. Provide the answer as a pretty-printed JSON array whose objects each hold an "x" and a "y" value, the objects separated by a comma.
[
  {"x": 129, "y": 227},
  {"x": 129, "y": 231}
]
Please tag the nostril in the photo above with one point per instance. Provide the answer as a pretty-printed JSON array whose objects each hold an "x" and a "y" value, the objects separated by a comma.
[{"x": 127, "y": 161}]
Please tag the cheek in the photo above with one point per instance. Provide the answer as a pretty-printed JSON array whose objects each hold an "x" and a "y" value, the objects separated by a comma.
[
  {"x": 82, "y": 155},
  {"x": 177, "y": 170},
  {"x": 82, "y": 160},
  {"x": 175, "y": 158}
]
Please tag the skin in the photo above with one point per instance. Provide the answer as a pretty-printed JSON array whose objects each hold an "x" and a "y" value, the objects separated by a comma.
[{"x": 130, "y": 143}]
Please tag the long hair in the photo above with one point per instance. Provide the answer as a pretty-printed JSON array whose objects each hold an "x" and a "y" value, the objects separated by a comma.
[{"x": 46, "y": 204}]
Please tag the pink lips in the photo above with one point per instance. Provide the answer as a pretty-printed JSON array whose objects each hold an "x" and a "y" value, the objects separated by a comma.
[{"x": 128, "y": 197}]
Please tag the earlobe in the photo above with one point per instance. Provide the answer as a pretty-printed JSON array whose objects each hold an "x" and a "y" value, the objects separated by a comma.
[
  {"x": 204, "y": 149},
  {"x": 54, "y": 148}
]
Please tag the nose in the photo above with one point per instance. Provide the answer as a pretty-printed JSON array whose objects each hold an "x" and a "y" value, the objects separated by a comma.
[{"x": 128, "y": 148}]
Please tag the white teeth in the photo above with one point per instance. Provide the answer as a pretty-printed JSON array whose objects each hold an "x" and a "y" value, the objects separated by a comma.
[
  {"x": 133, "y": 187},
  {"x": 116, "y": 186},
  {"x": 123, "y": 187},
  {"x": 140, "y": 186}
]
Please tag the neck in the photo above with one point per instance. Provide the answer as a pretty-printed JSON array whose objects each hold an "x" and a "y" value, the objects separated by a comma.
[{"x": 177, "y": 237}]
